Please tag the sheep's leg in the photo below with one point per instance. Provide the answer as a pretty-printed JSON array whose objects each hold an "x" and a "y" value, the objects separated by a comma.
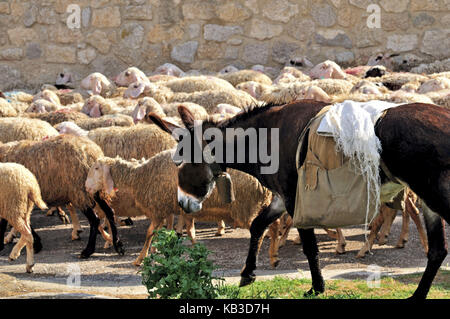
[
  {"x": 220, "y": 228},
  {"x": 94, "y": 222},
  {"x": 274, "y": 231},
  {"x": 170, "y": 221},
  {"x": 257, "y": 229},
  {"x": 374, "y": 228},
  {"x": 106, "y": 236},
  {"x": 180, "y": 225},
  {"x": 154, "y": 225},
  {"x": 340, "y": 247},
  {"x": 3, "y": 224},
  {"x": 76, "y": 228},
  {"x": 331, "y": 233},
  {"x": 26, "y": 238},
  {"x": 10, "y": 236},
  {"x": 51, "y": 211},
  {"x": 62, "y": 215},
  {"x": 404, "y": 235},
  {"x": 386, "y": 227},
  {"x": 190, "y": 228},
  {"x": 288, "y": 221},
  {"x": 109, "y": 213},
  {"x": 414, "y": 213}
]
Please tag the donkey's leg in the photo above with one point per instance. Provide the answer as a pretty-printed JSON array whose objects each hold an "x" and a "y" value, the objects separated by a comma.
[
  {"x": 341, "y": 243},
  {"x": 109, "y": 213},
  {"x": 190, "y": 227},
  {"x": 37, "y": 244},
  {"x": 93, "y": 222},
  {"x": 436, "y": 253},
  {"x": 257, "y": 229},
  {"x": 180, "y": 225},
  {"x": 3, "y": 224},
  {"x": 220, "y": 228},
  {"x": 311, "y": 251}
]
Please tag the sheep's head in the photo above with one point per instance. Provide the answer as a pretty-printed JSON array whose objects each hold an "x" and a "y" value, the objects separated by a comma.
[
  {"x": 144, "y": 106},
  {"x": 70, "y": 128},
  {"x": 229, "y": 69},
  {"x": 99, "y": 179},
  {"x": 434, "y": 85},
  {"x": 137, "y": 88},
  {"x": 93, "y": 106},
  {"x": 129, "y": 76},
  {"x": 95, "y": 82},
  {"x": 40, "y": 106},
  {"x": 63, "y": 78},
  {"x": 169, "y": 69}
]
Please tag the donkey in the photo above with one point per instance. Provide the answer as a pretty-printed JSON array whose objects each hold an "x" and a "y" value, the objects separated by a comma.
[{"x": 416, "y": 151}]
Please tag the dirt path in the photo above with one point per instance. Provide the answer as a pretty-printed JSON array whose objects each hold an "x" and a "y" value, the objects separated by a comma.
[{"x": 106, "y": 274}]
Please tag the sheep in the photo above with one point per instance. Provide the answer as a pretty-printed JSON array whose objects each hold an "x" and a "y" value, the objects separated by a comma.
[
  {"x": 98, "y": 84},
  {"x": 171, "y": 109},
  {"x": 225, "y": 109},
  {"x": 48, "y": 95},
  {"x": 385, "y": 59},
  {"x": 198, "y": 83},
  {"x": 130, "y": 75},
  {"x": 6, "y": 109},
  {"x": 291, "y": 74},
  {"x": 161, "y": 78},
  {"x": 406, "y": 97},
  {"x": 96, "y": 106},
  {"x": 17, "y": 128},
  {"x": 300, "y": 62},
  {"x": 228, "y": 69},
  {"x": 334, "y": 86},
  {"x": 244, "y": 76},
  {"x": 153, "y": 185},
  {"x": 436, "y": 66},
  {"x": 105, "y": 121},
  {"x": 169, "y": 69},
  {"x": 210, "y": 99},
  {"x": 255, "y": 89},
  {"x": 64, "y": 80},
  {"x": 144, "y": 106},
  {"x": 295, "y": 91},
  {"x": 42, "y": 106},
  {"x": 327, "y": 70},
  {"x": 59, "y": 116},
  {"x": 394, "y": 81},
  {"x": 19, "y": 193},
  {"x": 160, "y": 93},
  {"x": 61, "y": 164},
  {"x": 367, "y": 87},
  {"x": 375, "y": 71},
  {"x": 436, "y": 84},
  {"x": 441, "y": 98},
  {"x": 138, "y": 141},
  {"x": 382, "y": 223}
]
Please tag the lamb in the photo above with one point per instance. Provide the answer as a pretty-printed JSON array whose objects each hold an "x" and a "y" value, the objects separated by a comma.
[
  {"x": 161, "y": 201},
  {"x": 19, "y": 192},
  {"x": 138, "y": 141},
  {"x": 129, "y": 76},
  {"x": 6, "y": 109},
  {"x": 61, "y": 164},
  {"x": 98, "y": 84},
  {"x": 244, "y": 76},
  {"x": 17, "y": 128}
]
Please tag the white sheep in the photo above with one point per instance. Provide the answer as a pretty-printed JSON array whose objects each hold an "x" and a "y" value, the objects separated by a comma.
[
  {"x": 19, "y": 193},
  {"x": 169, "y": 69},
  {"x": 129, "y": 76},
  {"x": 18, "y": 128},
  {"x": 99, "y": 84}
]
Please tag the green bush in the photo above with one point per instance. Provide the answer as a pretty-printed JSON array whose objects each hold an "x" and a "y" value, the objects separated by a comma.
[{"x": 177, "y": 270}]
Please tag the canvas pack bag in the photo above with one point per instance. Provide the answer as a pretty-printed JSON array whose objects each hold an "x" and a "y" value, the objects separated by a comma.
[{"x": 329, "y": 192}]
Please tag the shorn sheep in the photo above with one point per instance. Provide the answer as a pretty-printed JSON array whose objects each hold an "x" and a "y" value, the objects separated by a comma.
[
  {"x": 17, "y": 128},
  {"x": 19, "y": 193},
  {"x": 61, "y": 165},
  {"x": 153, "y": 185}
]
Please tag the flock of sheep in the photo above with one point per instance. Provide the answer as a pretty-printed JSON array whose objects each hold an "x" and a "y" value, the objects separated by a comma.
[{"x": 63, "y": 144}]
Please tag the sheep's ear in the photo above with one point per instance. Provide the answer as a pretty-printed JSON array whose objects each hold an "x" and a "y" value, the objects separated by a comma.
[
  {"x": 186, "y": 116},
  {"x": 164, "y": 125},
  {"x": 108, "y": 182}
]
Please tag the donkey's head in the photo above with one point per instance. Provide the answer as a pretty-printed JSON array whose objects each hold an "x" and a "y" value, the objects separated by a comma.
[{"x": 198, "y": 171}]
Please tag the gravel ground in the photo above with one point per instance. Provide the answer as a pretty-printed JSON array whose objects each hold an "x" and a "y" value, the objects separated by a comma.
[{"x": 106, "y": 274}]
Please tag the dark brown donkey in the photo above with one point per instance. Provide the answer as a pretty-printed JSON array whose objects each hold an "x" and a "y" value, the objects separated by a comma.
[{"x": 416, "y": 150}]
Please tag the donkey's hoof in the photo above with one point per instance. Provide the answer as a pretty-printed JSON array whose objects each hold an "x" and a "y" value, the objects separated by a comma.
[
  {"x": 85, "y": 254},
  {"x": 119, "y": 248},
  {"x": 37, "y": 247},
  {"x": 275, "y": 263},
  {"x": 245, "y": 281}
]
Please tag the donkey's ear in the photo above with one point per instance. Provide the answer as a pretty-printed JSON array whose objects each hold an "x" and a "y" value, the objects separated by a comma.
[
  {"x": 186, "y": 116},
  {"x": 153, "y": 118}
]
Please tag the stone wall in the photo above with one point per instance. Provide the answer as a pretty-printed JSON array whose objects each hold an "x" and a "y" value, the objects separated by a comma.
[{"x": 36, "y": 42}]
